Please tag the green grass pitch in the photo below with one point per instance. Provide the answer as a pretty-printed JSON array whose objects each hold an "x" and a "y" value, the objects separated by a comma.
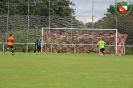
[{"x": 50, "y": 70}]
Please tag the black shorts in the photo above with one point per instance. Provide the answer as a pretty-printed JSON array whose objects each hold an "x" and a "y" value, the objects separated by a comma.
[
  {"x": 37, "y": 46},
  {"x": 9, "y": 46},
  {"x": 102, "y": 49}
]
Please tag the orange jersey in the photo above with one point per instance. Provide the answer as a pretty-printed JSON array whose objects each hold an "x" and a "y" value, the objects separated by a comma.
[{"x": 10, "y": 41}]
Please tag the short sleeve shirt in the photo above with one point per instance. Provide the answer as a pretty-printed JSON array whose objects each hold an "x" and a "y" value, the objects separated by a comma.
[
  {"x": 101, "y": 44},
  {"x": 10, "y": 40}
]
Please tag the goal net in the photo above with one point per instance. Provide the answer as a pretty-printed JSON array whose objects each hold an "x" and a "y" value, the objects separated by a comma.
[{"x": 80, "y": 40}]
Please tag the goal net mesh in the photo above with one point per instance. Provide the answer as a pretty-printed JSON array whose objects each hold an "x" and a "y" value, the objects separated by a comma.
[{"x": 80, "y": 40}]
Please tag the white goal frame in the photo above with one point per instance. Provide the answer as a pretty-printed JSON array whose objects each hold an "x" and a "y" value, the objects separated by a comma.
[{"x": 116, "y": 34}]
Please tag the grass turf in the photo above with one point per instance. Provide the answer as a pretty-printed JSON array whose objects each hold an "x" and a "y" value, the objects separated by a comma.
[{"x": 50, "y": 70}]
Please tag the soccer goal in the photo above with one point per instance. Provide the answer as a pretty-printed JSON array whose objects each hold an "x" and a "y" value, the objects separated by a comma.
[{"x": 78, "y": 40}]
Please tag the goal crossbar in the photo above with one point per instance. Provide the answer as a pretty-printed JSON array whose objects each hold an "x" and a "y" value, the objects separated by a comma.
[{"x": 82, "y": 29}]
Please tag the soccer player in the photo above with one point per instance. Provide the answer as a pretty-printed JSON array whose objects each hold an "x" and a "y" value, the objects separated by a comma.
[
  {"x": 101, "y": 44},
  {"x": 10, "y": 43},
  {"x": 38, "y": 45}
]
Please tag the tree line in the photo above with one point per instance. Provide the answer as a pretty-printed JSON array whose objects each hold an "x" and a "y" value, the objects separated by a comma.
[
  {"x": 112, "y": 20},
  {"x": 62, "y": 8},
  {"x": 37, "y": 7}
]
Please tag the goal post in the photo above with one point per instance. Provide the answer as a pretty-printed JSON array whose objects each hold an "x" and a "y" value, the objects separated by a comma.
[{"x": 78, "y": 40}]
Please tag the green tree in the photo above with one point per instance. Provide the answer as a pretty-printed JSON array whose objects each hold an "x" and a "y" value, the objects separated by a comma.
[
  {"x": 37, "y": 7},
  {"x": 3, "y": 7},
  {"x": 124, "y": 24}
]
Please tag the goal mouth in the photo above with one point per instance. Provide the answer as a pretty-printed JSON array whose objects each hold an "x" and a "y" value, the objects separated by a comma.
[{"x": 78, "y": 40}]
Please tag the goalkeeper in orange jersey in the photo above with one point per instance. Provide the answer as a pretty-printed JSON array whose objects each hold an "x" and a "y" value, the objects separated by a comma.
[{"x": 10, "y": 42}]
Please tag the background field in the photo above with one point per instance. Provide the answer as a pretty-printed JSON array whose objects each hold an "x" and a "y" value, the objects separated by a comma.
[{"x": 46, "y": 70}]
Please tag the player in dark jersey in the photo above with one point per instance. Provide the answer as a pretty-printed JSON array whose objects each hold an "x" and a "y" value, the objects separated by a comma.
[{"x": 38, "y": 45}]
